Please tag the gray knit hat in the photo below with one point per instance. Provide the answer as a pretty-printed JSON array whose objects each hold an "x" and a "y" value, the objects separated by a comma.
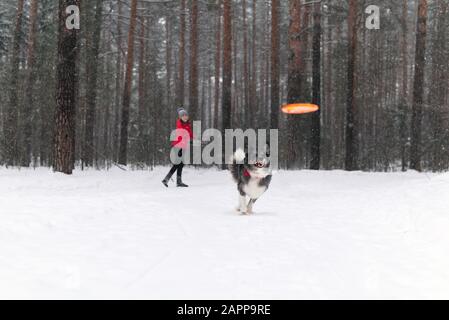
[{"x": 182, "y": 112}]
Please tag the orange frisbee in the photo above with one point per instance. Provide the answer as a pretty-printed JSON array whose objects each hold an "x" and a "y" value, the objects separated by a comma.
[{"x": 300, "y": 108}]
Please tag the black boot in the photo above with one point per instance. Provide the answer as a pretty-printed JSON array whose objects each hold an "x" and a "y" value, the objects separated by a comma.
[
  {"x": 180, "y": 184},
  {"x": 165, "y": 182}
]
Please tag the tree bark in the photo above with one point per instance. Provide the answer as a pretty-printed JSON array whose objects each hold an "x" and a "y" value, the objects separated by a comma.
[
  {"x": 352, "y": 146},
  {"x": 29, "y": 84},
  {"x": 295, "y": 69},
  {"x": 217, "y": 67},
  {"x": 91, "y": 90},
  {"x": 316, "y": 90},
  {"x": 123, "y": 154},
  {"x": 439, "y": 93},
  {"x": 227, "y": 65},
  {"x": 275, "y": 61},
  {"x": 67, "y": 78},
  {"x": 168, "y": 59},
  {"x": 404, "y": 92},
  {"x": 182, "y": 50},
  {"x": 10, "y": 126},
  {"x": 418, "y": 87},
  {"x": 141, "y": 94},
  {"x": 253, "y": 87},
  {"x": 118, "y": 85},
  {"x": 193, "y": 80},
  {"x": 246, "y": 84}
]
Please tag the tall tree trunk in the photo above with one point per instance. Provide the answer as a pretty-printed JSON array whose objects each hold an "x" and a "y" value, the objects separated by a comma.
[
  {"x": 10, "y": 127},
  {"x": 91, "y": 90},
  {"x": 418, "y": 87},
  {"x": 404, "y": 48},
  {"x": 227, "y": 65},
  {"x": 108, "y": 87},
  {"x": 28, "y": 106},
  {"x": 253, "y": 100},
  {"x": 352, "y": 146},
  {"x": 193, "y": 80},
  {"x": 123, "y": 154},
  {"x": 227, "y": 71},
  {"x": 295, "y": 68},
  {"x": 439, "y": 93},
  {"x": 217, "y": 67},
  {"x": 246, "y": 83},
  {"x": 182, "y": 52},
  {"x": 404, "y": 93},
  {"x": 118, "y": 83},
  {"x": 236, "y": 84},
  {"x": 141, "y": 94},
  {"x": 67, "y": 78},
  {"x": 266, "y": 104},
  {"x": 275, "y": 61},
  {"x": 316, "y": 89},
  {"x": 168, "y": 59}
]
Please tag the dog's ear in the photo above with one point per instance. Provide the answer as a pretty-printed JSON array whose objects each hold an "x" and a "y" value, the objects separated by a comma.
[
  {"x": 246, "y": 148},
  {"x": 267, "y": 150},
  {"x": 247, "y": 151}
]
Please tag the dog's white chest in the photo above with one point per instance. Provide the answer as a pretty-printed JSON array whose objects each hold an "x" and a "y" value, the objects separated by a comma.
[{"x": 253, "y": 189}]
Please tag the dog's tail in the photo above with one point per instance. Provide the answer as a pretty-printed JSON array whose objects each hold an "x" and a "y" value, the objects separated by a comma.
[{"x": 236, "y": 166}]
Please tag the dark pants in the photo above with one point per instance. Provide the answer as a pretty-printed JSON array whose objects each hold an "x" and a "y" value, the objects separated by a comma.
[{"x": 176, "y": 168}]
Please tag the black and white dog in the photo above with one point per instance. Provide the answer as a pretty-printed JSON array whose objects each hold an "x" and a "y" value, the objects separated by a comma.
[{"x": 252, "y": 179}]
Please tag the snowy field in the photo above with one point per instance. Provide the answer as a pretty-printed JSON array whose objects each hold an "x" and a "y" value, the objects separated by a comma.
[{"x": 315, "y": 235}]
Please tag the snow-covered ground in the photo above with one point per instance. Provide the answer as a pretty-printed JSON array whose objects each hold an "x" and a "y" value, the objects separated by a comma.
[{"x": 314, "y": 235}]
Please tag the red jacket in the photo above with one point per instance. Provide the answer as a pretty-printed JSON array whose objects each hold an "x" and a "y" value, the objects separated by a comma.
[{"x": 183, "y": 134}]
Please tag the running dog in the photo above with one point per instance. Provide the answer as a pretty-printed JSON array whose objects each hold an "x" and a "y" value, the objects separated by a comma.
[{"x": 252, "y": 180}]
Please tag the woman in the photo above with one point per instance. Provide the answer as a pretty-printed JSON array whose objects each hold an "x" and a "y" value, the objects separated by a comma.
[{"x": 184, "y": 135}]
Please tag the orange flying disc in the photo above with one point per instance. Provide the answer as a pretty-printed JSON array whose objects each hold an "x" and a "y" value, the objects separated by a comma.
[{"x": 300, "y": 108}]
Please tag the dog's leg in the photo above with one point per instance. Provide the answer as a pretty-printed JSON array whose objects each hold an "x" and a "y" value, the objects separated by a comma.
[
  {"x": 241, "y": 194},
  {"x": 243, "y": 204},
  {"x": 250, "y": 206}
]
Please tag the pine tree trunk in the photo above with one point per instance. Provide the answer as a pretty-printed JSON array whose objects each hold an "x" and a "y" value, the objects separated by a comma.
[
  {"x": 227, "y": 71},
  {"x": 28, "y": 106},
  {"x": 118, "y": 84},
  {"x": 316, "y": 90},
  {"x": 352, "y": 148},
  {"x": 227, "y": 65},
  {"x": 246, "y": 83},
  {"x": 329, "y": 101},
  {"x": 67, "y": 78},
  {"x": 123, "y": 154},
  {"x": 193, "y": 80},
  {"x": 217, "y": 67},
  {"x": 182, "y": 50},
  {"x": 418, "y": 87},
  {"x": 235, "y": 120},
  {"x": 438, "y": 93},
  {"x": 253, "y": 100},
  {"x": 91, "y": 90},
  {"x": 141, "y": 94},
  {"x": 294, "y": 82},
  {"x": 404, "y": 92},
  {"x": 168, "y": 59},
  {"x": 275, "y": 61},
  {"x": 109, "y": 87},
  {"x": 11, "y": 118}
]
